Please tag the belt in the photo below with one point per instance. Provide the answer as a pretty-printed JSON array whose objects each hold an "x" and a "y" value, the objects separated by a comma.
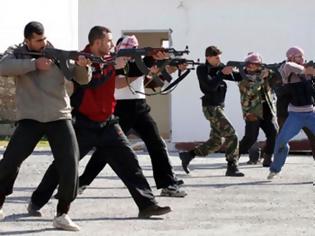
[{"x": 81, "y": 120}]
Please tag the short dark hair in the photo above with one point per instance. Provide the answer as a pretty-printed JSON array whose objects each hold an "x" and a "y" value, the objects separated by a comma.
[
  {"x": 212, "y": 51},
  {"x": 33, "y": 27},
  {"x": 97, "y": 32}
]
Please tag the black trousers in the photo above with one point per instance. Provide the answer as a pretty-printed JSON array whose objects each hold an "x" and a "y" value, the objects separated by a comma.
[
  {"x": 268, "y": 125},
  {"x": 114, "y": 148},
  {"x": 135, "y": 114},
  {"x": 63, "y": 143}
]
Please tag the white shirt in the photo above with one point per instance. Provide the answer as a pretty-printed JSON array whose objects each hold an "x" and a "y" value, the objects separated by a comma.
[{"x": 126, "y": 94}]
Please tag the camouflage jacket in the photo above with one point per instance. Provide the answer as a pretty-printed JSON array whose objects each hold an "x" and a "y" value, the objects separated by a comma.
[{"x": 254, "y": 91}]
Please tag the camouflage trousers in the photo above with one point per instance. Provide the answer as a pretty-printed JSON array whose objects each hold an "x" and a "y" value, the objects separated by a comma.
[{"x": 221, "y": 127}]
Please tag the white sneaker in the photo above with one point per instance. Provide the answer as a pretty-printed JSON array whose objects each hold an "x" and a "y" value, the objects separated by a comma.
[
  {"x": 272, "y": 175},
  {"x": 64, "y": 222},
  {"x": 81, "y": 189},
  {"x": 172, "y": 191},
  {"x": 1, "y": 214}
]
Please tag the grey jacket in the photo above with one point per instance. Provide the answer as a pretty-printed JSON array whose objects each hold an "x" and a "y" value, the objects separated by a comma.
[{"x": 40, "y": 95}]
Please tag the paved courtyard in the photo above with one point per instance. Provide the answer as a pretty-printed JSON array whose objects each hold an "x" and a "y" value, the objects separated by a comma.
[{"x": 215, "y": 205}]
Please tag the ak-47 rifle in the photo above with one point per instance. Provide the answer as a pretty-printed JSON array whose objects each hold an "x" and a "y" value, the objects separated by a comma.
[
  {"x": 62, "y": 58},
  {"x": 307, "y": 64},
  {"x": 137, "y": 53},
  {"x": 178, "y": 61},
  {"x": 241, "y": 66},
  {"x": 175, "y": 62}
]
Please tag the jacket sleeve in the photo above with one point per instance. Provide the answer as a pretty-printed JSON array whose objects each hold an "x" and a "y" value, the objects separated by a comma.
[
  {"x": 207, "y": 81},
  {"x": 291, "y": 68},
  {"x": 235, "y": 76},
  {"x": 10, "y": 66},
  {"x": 82, "y": 75},
  {"x": 246, "y": 96}
]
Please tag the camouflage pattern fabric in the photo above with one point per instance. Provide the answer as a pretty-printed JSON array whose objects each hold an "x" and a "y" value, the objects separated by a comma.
[
  {"x": 220, "y": 128},
  {"x": 252, "y": 90}
]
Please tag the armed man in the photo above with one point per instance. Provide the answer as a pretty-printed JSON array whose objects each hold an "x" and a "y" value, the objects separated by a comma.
[
  {"x": 43, "y": 108},
  {"x": 134, "y": 113},
  {"x": 297, "y": 84},
  {"x": 211, "y": 76},
  {"x": 98, "y": 129},
  {"x": 258, "y": 105}
]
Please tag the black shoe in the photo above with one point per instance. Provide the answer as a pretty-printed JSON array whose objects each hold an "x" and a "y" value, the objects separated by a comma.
[
  {"x": 179, "y": 182},
  {"x": 254, "y": 153},
  {"x": 186, "y": 157},
  {"x": 266, "y": 163},
  {"x": 252, "y": 162},
  {"x": 33, "y": 210},
  {"x": 267, "y": 160},
  {"x": 154, "y": 210},
  {"x": 232, "y": 170}
]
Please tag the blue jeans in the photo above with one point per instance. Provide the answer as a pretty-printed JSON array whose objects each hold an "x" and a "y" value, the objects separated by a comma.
[{"x": 292, "y": 126}]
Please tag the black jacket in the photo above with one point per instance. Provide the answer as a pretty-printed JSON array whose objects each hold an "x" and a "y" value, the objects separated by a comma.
[{"x": 212, "y": 84}]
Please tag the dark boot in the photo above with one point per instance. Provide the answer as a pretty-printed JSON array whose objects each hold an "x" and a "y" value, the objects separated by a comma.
[
  {"x": 253, "y": 154},
  {"x": 186, "y": 157},
  {"x": 232, "y": 170},
  {"x": 267, "y": 160}
]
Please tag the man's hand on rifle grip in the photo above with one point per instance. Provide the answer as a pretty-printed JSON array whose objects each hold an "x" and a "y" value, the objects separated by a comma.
[
  {"x": 43, "y": 63},
  {"x": 83, "y": 61}
]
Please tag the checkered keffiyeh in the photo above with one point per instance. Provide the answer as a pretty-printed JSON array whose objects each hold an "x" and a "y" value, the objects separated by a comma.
[{"x": 128, "y": 42}]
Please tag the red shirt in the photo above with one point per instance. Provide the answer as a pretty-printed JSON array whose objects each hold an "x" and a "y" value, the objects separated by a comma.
[{"x": 96, "y": 100}]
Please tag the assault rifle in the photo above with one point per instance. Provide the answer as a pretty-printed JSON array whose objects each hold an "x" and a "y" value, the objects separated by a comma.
[
  {"x": 137, "y": 53},
  {"x": 241, "y": 66},
  {"x": 62, "y": 58},
  {"x": 149, "y": 51},
  {"x": 178, "y": 61},
  {"x": 307, "y": 64}
]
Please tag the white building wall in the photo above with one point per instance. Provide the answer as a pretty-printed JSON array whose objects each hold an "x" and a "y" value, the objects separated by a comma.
[
  {"x": 237, "y": 27},
  {"x": 59, "y": 17}
]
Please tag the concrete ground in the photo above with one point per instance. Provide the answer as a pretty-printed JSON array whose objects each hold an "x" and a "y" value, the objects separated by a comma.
[{"x": 215, "y": 205}]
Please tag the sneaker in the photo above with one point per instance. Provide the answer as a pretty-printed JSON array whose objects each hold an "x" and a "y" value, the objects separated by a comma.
[
  {"x": 172, "y": 191},
  {"x": 33, "y": 210},
  {"x": 65, "y": 223},
  {"x": 2, "y": 215},
  {"x": 272, "y": 175},
  {"x": 153, "y": 210},
  {"x": 81, "y": 189}
]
